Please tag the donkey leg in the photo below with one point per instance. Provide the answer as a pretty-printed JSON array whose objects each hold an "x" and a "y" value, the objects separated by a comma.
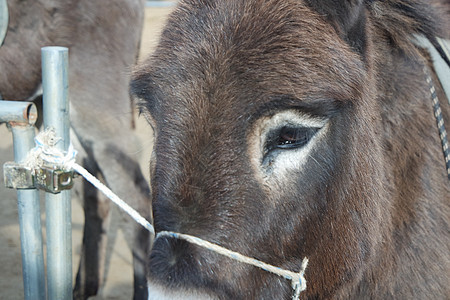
[
  {"x": 108, "y": 148},
  {"x": 91, "y": 268},
  {"x": 138, "y": 242},
  {"x": 96, "y": 215},
  {"x": 125, "y": 178}
]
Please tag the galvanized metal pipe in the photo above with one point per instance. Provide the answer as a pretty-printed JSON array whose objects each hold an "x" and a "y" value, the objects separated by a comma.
[
  {"x": 159, "y": 3},
  {"x": 58, "y": 206},
  {"x": 18, "y": 112},
  {"x": 4, "y": 20},
  {"x": 29, "y": 221},
  {"x": 21, "y": 116}
]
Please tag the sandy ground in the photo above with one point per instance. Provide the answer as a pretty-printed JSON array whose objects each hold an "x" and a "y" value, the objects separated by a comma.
[{"x": 118, "y": 284}]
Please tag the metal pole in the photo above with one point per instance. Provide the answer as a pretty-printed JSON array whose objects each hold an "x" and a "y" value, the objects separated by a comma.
[
  {"x": 18, "y": 112},
  {"x": 22, "y": 116},
  {"x": 4, "y": 20},
  {"x": 58, "y": 206}
]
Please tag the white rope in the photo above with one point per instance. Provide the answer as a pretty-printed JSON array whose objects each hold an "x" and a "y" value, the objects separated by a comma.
[
  {"x": 45, "y": 152},
  {"x": 108, "y": 193},
  {"x": 297, "y": 279}
]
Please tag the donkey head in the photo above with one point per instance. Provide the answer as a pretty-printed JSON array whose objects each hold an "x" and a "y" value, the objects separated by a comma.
[{"x": 265, "y": 143}]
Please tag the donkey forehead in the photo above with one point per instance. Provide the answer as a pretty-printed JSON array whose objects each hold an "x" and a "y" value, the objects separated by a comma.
[{"x": 237, "y": 55}]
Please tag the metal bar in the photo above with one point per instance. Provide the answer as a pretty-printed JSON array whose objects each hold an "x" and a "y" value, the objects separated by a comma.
[
  {"x": 4, "y": 20},
  {"x": 29, "y": 221},
  {"x": 160, "y": 3},
  {"x": 18, "y": 112},
  {"x": 58, "y": 206}
]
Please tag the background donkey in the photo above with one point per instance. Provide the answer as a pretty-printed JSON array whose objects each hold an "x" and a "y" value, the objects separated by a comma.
[
  {"x": 294, "y": 128},
  {"x": 103, "y": 39}
]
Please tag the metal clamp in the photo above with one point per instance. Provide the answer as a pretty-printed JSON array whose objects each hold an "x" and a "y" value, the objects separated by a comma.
[
  {"x": 18, "y": 176},
  {"x": 48, "y": 179}
]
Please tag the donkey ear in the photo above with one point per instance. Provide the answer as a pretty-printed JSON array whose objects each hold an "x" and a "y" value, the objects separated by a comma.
[{"x": 348, "y": 17}]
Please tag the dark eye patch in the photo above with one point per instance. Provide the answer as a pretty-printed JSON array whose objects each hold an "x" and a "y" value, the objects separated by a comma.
[{"x": 289, "y": 137}]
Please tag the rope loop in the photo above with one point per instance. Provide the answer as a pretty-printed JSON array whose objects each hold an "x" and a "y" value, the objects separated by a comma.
[
  {"x": 297, "y": 278},
  {"x": 46, "y": 153}
]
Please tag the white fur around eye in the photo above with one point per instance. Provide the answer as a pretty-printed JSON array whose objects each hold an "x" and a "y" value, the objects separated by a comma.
[{"x": 280, "y": 163}]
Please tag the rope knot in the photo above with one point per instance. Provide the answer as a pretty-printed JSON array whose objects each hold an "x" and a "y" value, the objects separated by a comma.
[
  {"x": 299, "y": 282},
  {"x": 46, "y": 152}
]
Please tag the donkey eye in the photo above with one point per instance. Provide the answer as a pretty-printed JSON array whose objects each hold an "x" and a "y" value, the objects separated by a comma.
[
  {"x": 289, "y": 137},
  {"x": 294, "y": 137},
  {"x": 282, "y": 142}
]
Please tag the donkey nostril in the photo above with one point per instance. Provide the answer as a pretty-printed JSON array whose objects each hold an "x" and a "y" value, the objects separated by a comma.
[{"x": 169, "y": 259}]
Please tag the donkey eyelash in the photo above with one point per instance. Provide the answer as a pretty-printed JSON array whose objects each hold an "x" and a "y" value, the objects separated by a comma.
[
  {"x": 288, "y": 130},
  {"x": 289, "y": 137},
  {"x": 286, "y": 139}
]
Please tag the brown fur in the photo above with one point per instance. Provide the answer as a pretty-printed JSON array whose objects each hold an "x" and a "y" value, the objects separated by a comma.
[
  {"x": 369, "y": 209},
  {"x": 103, "y": 39}
]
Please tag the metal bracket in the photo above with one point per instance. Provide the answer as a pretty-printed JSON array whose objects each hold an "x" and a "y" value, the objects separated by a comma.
[
  {"x": 45, "y": 178},
  {"x": 18, "y": 176}
]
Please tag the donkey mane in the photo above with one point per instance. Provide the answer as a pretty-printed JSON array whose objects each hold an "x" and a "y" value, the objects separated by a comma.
[{"x": 400, "y": 19}]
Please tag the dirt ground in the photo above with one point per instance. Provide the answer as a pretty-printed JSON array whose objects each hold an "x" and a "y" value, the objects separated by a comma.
[{"x": 118, "y": 277}]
